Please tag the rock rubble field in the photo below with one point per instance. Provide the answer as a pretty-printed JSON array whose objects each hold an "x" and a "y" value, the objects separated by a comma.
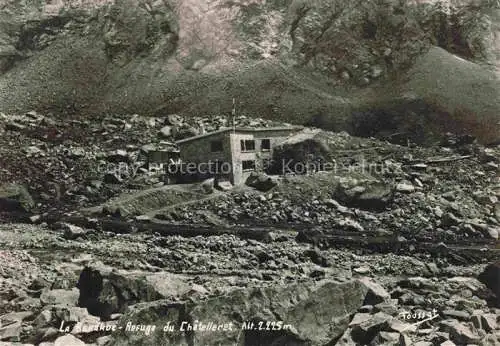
[
  {"x": 397, "y": 244},
  {"x": 378, "y": 224}
]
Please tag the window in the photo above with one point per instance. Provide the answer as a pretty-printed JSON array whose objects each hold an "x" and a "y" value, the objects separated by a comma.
[
  {"x": 248, "y": 165},
  {"x": 215, "y": 146},
  {"x": 247, "y": 145},
  {"x": 265, "y": 144}
]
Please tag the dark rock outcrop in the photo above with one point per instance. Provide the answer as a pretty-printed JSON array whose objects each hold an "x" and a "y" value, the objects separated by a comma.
[
  {"x": 104, "y": 291},
  {"x": 15, "y": 198},
  {"x": 491, "y": 278}
]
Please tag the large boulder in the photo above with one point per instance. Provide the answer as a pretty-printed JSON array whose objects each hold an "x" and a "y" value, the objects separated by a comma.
[
  {"x": 208, "y": 185},
  {"x": 70, "y": 232},
  {"x": 364, "y": 194},
  {"x": 8, "y": 55},
  {"x": 261, "y": 181},
  {"x": 11, "y": 325},
  {"x": 165, "y": 132},
  {"x": 154, "y": 317},
  {"x": 68, "y": 340},
  {"x": 174, "y": 120},
  {"x": 104, "y": 291},
  {"x": 60, "y": 297},
  {"x": 460, "y": 333},
  {"x": 365, "y": 332},
  {"x": 302, "y": 153},
  {"x": 16, "y": 198},
  {"x": 318, "y": 313},
  {"x": 181, "y": 132},
  {"x": 376, "y": 293},
  {"x": 491, "y": 278}
]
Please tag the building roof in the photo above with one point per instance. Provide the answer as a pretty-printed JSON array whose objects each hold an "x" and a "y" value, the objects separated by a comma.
[
  {"x": 159, "y": 147},
  {"x": 240, "y": 129}
]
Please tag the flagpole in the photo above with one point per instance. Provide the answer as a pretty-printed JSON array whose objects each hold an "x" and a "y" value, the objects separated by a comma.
[{"x": 234, "y": 115}]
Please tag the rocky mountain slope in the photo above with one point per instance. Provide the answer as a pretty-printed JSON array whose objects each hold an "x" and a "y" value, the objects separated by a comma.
[{"x": 370, "y": 67}]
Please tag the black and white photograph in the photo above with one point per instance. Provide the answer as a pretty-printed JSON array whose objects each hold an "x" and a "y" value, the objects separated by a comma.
[{"x": 249, "y": 172}]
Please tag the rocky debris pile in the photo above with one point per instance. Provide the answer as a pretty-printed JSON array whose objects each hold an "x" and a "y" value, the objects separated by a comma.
[
  {"x": 81, "y": 163},
  {"x": 415, "y": 311},
  {"x": 376, "y": 188},
  {"x": 419, "y": 311},
  {"x": 65, "y": 164},
  {"x": 178, "y": 127},
  {"x": 140, "y": 203},
  {"x": 152, "y": 280},
  {"x": 442, "y": 193},
  {"x": 14, "y": 279}
]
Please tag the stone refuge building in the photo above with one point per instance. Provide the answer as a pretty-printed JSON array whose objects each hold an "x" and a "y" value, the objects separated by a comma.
[{"x": 232, "y": 153}]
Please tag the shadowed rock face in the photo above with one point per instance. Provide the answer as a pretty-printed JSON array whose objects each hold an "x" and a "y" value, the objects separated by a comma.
[
  {"x": 491, "y": 278},
  {"x": 333, "y": 63},
  {"x": 104, "y": 291},
  {"x": 15, "y": 197}
]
